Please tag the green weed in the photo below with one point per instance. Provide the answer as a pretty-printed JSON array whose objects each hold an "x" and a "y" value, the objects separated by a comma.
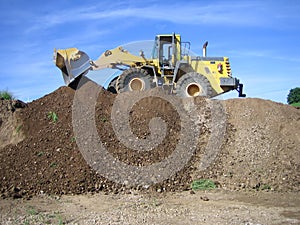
[
  {"x": 59, "y": 218},
  {"x": 203, "y": 184},
  {"x": 40, "y": 154},
  {"x": 53, "y": 164},
  {"x": 19, "y": 127},
  {"x": 33, "y": 216},
  {"x": 265, "y": 187},
  {"x": 32, "y": 211},
  {"x": 6, "y": 95},
  {"x": 53, "y": 116}
]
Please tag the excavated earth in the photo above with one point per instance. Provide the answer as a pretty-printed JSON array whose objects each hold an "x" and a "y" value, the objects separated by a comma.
[{"x": 258, "y": 150}]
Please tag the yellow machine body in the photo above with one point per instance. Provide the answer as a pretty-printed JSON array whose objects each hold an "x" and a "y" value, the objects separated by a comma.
[{"x": 170, "y": 66}]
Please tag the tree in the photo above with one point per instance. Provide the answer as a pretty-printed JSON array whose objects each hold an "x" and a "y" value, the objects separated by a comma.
[{"x": 294, "y": 96}]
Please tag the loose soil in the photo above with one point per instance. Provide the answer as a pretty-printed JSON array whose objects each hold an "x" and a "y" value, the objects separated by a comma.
[
  {"x": 259, "y": 152},
  {"x": 203, "y": 207}
]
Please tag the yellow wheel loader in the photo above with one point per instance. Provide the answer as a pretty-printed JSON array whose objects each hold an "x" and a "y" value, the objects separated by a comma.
[{"x": 170, "y": 67}]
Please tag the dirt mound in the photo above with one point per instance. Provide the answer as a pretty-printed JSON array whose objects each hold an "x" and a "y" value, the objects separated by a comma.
[
  {"x": 258, "y": 149},
  {"x": 262, "y": 147},
  {"x": 10, "y": 125}
]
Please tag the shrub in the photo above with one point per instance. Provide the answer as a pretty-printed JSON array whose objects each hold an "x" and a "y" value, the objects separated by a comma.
[{"x": 6, "y": 95}]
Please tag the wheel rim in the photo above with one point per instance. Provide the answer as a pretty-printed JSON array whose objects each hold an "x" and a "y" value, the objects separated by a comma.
[
  {"x": 136, "y": 84},
  {"x": 193, "y": 90}
]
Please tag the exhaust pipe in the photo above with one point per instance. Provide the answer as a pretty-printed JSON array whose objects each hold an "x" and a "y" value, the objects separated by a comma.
[{"x": 204, "y": 49}]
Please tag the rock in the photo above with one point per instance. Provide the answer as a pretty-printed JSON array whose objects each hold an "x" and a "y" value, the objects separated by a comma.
[{"x": 204, "y": 198}]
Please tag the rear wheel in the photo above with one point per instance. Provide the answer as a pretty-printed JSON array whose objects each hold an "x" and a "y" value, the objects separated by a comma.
[
  {"x": 194, "y": 84},
  {"x": 134, "y": 79}
]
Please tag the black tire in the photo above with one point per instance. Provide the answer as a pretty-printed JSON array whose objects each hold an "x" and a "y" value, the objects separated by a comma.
[
  {"x": 112, "y": 86},
  {"x": 194, "y": 84},
  {"x": 134, "y": 79}
]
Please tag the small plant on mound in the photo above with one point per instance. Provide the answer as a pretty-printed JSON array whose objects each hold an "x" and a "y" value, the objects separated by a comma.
[
  {"x": 203, "y": 184},
  {"x": 53, "y": 116},
  {"x": 6, "y": 95}
]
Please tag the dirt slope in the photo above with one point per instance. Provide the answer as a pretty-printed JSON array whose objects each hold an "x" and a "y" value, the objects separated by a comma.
[
  {"x": 259, "y": 149},
  {"x": 10, "y": 125},
  {"x": 262, "y": 146}
]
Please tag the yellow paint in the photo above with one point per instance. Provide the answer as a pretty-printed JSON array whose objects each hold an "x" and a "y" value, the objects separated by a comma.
[{"x": 120, "y": 56}]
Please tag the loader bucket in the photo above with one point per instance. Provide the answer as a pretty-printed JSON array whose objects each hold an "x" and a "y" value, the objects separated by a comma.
[{"x": 72, "y": 63}]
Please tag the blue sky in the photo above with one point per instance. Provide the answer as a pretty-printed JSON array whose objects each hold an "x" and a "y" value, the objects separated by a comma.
[{"x": 261, "y": 38}]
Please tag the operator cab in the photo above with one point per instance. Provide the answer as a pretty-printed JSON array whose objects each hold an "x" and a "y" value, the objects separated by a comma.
[{"x": 166, "y": 50}]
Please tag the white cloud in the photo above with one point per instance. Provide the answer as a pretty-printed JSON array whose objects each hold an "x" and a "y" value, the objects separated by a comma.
[{"x": 254, "y": 13}]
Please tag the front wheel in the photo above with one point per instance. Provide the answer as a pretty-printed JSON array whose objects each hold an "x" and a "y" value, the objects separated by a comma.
[
  {"x": 112, "y": 86},
  {"x": 134, "y": 79},
  {"x": 194, "y": 84}
]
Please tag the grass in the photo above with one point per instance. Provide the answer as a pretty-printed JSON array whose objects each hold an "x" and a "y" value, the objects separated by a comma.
[
  {"x": 59, "y": 218},
  {"x": 6, "y": 95},
  {"x": 296, "y": 104},
  {"x": 33, "y": 216},
  {"x": 53, "y": 116},
  {"x": 203, "y": 184},
  {"x": 32, "y": 211}
]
